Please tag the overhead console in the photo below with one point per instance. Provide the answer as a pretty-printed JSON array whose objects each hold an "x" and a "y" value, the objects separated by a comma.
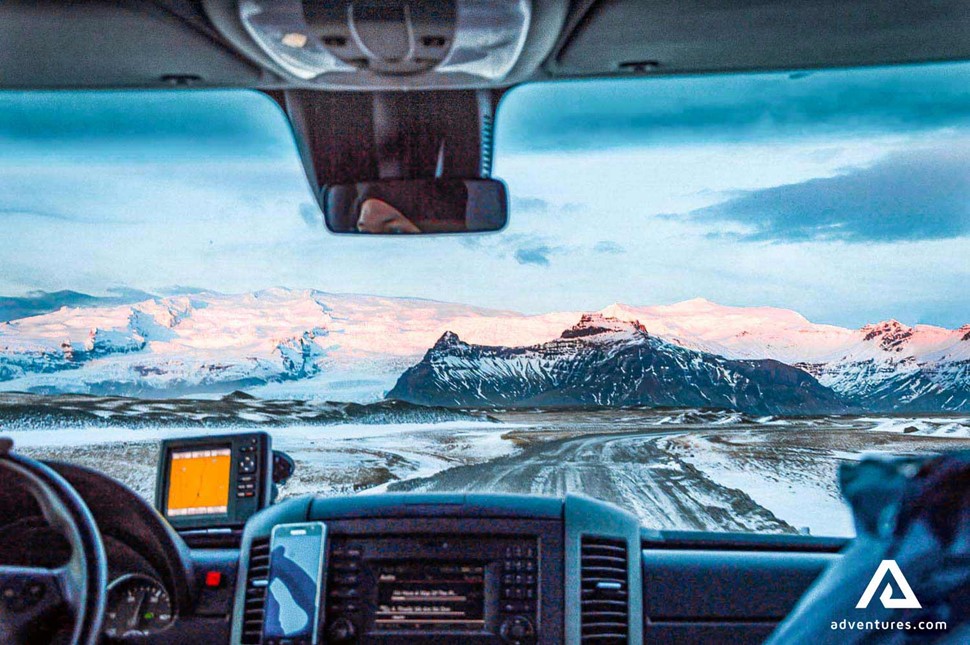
[
  {"x": 474, "y": 568},
  {"x": 396, "y": 44}
]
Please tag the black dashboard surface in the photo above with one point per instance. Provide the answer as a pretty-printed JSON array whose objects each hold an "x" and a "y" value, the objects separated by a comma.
[
  {"x": 675, "y": 587},
  {"x": 561, "y": 530},
  {"x": 715, "y": 595},
  {"x": 680, "y": 587}
]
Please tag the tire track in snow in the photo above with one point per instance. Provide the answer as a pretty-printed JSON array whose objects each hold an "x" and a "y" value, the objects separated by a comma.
[{"x": 631, "y": 470}]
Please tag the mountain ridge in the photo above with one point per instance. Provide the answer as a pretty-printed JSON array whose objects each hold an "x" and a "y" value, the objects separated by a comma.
[
  {"x": 306, "y": 343},
  {"x": 602, "y": 361}
]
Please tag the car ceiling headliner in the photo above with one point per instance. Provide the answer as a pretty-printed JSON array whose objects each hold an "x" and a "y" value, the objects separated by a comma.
[{"x": 160, "y": 43}]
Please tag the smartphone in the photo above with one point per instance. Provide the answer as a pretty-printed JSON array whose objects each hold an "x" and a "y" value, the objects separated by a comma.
[{"x": 294, "y": 592}]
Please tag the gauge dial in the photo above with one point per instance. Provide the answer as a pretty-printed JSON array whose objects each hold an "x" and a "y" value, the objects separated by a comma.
[{"x": 137, "y": 606}]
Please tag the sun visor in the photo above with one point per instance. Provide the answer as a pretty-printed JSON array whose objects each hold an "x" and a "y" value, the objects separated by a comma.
[{"x": 633, "y": 37}]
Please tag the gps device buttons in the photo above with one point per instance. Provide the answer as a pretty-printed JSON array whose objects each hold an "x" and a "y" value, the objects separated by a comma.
[
  {"x": 247, "y": 464},
  {"x": 247, "y": 468}
]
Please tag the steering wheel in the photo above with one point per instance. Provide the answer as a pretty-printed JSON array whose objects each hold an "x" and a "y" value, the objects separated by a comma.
[{"x": 30, "y": 595}]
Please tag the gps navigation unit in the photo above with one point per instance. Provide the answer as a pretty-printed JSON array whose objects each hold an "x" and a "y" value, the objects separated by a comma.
[{"x": 216, "y": 481}]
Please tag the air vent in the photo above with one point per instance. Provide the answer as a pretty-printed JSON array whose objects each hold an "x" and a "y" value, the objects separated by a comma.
[
  {"x": 604, "y": 606},
  {"x": 256, "y": 579}
]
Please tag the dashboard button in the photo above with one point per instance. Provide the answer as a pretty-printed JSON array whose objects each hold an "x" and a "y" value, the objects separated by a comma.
[
  {"x": 517, "y": 630},
  {"x": 344, "y": 593},
  {"x": 341, "y": 630},
  {"x": 345, "y": 566}
]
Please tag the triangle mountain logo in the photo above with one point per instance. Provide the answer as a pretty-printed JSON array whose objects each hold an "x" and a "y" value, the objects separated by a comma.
[{"x": 889, "y": 567}]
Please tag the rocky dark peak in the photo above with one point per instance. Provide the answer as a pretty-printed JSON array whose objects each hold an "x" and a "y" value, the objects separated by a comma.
[
  {"x": 965, "y": 332},
  {"x": 877, "y": 329},
  {"x": 448, "y": 340},
  {"x": 596, "y": 324},
  {"x": 892, "y": 334}
]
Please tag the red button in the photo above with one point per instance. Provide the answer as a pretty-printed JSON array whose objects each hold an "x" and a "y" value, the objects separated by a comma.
[{"x": 213, "y": 578}]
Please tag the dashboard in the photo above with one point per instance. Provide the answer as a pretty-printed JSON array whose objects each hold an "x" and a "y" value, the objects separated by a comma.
[
  {"x": 471, "y": 568},
  {"x": 535, "y": 570},
  {"x": 466, "y": 568},
  {"x": 506, "y": 569}
]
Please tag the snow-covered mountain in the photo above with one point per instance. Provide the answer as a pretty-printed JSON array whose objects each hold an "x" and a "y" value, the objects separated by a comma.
[
  {"x": 883, "y": 366},
  {"x": 281, "y": 343},
  {"x": 890, "y": 366},
  {"x": 35, "y": 303},
  {"x": 603, "y": 361},
  {"x": 737, "y": 332},
  {"x": 276, "y": 343}
]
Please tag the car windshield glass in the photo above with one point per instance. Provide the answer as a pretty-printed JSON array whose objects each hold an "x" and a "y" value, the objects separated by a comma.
[{"x": 712, "y": 292}]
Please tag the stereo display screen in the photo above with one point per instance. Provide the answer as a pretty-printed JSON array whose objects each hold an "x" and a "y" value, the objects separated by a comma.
[{"x": 430, "y": 596}]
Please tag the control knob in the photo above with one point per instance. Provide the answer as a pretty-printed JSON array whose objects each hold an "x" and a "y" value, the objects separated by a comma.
[
  {"x": 342, "y": 630},
  {"x": 517, "y": 630}
]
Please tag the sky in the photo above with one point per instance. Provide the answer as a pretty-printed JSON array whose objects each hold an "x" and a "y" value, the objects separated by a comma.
[{"x": 844, "y": 195}]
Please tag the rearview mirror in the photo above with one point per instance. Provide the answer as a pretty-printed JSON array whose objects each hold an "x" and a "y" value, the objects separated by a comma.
[{"x": 416, "y": 206}]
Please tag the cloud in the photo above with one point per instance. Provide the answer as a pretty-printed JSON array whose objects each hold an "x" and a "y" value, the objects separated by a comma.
[
  {"x": 181, "y": 290},
  {"x": 540, "y": 205},
  {"x": 536, "y": 250},
  {"x": 608, "y": 247},
  {"x": 654, "y": 112},
  {"x": 538, "y": 255},
  {"x": 917, "y": 195},
  {"x": 530, "y": 204},
  {"x": 524, "y": 248},
  {"x": 9, "y": 214},
  {"x": 145, "y": 124}
]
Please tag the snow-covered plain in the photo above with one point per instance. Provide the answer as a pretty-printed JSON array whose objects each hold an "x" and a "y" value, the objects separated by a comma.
[
  {"x": 943, "y": 427},
  {"x": 804, "y": 498},
  {"x": 683, "y": 469},
  {"x": 336, "y": 459}
]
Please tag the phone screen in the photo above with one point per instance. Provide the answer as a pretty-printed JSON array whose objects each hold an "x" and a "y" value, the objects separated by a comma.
[{"x": 293, "y": 593}]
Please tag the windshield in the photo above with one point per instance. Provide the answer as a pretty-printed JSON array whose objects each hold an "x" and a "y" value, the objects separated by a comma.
[{"x": 712, "y": 292}]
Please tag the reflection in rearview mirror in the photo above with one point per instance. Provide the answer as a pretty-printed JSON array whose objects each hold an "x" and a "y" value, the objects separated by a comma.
[{"x": 417, "y": 206}]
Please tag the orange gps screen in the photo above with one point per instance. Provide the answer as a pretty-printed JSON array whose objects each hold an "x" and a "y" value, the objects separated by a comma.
[{"x": 198, "y": 482}]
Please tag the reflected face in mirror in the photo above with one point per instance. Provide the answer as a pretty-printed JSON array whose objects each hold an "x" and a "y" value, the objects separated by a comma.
[
  {"x": 377, "y": 216},
  {"x": 416, "y": 206}
]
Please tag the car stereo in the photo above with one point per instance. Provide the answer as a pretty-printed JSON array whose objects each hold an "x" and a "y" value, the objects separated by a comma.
[
  {"x": 393, "y": 589},
  {"x": 214, "y": 481}
]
